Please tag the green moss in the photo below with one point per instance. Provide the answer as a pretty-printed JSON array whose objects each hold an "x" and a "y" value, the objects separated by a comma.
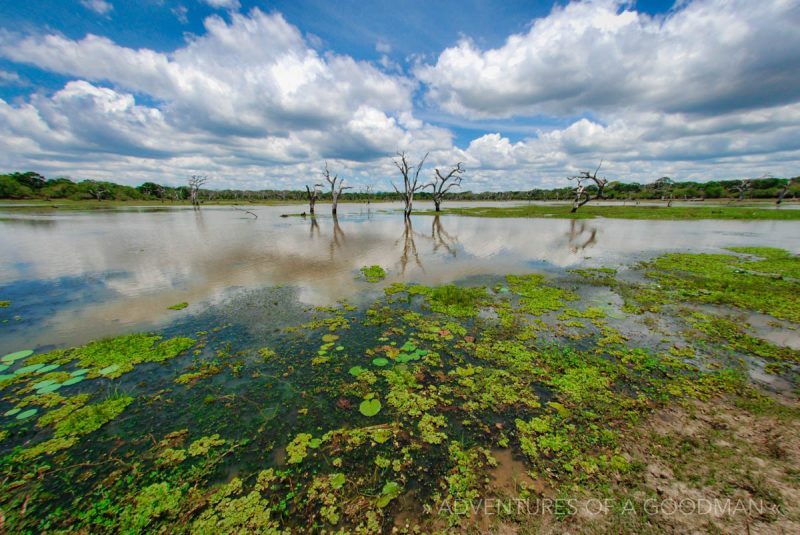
[
  {"x": 732, "y": 334},
  {"x": 91, "y": 417},
  {"x": 118, "y": 355},
  {"x": 203, "y": 445},
  {"x": 373, "y": 273},
  {"x": 456, "y": 301},
  {"x": 730, "y": 280},
  {"x": 297, "y": 449},
  {"x": 158, "y": 501},
  {"x": 536, "y": 297}
]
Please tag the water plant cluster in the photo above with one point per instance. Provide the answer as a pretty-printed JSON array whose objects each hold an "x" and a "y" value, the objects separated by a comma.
[{"x": 385, "y": 417}]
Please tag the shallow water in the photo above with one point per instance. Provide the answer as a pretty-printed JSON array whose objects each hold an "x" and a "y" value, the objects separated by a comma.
[{"x": 76, "y": 276}]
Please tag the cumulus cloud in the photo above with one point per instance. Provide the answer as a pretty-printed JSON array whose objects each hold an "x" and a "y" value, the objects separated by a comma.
[
  {"x": 101, "y": 7},
  {"x": 223, "y": 4},
  {"x": 247, "y": 92},
  {"x": 706, "y": 57},
  {"x": 709, "y": 90}
]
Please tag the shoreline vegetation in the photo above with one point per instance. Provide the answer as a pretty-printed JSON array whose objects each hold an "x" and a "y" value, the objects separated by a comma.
[
  {"x": 712, "y": 209},
  {"x": 631, "y": 211},
  {"x": 407, "y": 415}
]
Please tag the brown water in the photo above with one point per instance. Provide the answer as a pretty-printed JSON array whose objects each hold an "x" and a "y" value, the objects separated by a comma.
[{"x": 75, "y": 276}]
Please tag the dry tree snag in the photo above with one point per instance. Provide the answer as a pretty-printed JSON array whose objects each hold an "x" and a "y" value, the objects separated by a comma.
[
  {"x": 440, "y": 183},
  {"x": 663, "y": 187},
  {"x": 411, "y": 183},
  {"x": 743, "y": 187},
  {"x": 313, "y": 196},
  {"x": 582, "y": 192},
  {"x": 98, "y": 191},
  {"x": 194, "y": 188},
  {"x": 334, "y": 191},
  {"x": 784, "y": 190}
]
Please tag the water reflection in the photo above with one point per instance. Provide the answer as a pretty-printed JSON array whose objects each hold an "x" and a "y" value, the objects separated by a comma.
[
  {"x": 169, "y": 256},
  {"x": 581, "y": 235}
]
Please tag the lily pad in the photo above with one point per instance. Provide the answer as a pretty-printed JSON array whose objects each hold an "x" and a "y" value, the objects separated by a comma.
[
  {"x": 330, "y": 337},
  {"x": 5, "y": 376},
  {"x": 49, "y": 368},
  {"x": 42, "y": 384},
  {"x": 370, "y": 407},
  {"x": 314, "y": 443},
  {"x": 27, "y": 414},
  {"x": 380, "y": 361},
  {"x": 3, "y": 367},
  {"x": 29, "y": 368},
  {"x": 339, "y": 348},
  {"x": 49, "y": 388},
  {"x": 82, "y": 371},
  {"x": 11, "y": 357},
  {"x": 74, "y": 380},
  {"x": 355, "y": 371},
  {"x": 109, "y": 369},
  {"x": 12, "y": 412}
]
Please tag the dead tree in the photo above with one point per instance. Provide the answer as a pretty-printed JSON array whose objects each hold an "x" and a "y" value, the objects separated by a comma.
[
  {"x": 335, "y": 192},
  {"x": 663, "y": 187},
  {"x": 313, "y": 196},
  {"x": 411, "y": 183},
  {"x": 195, "y": 183},
  {"x": 743, "y": 187},
  {"x": 97, "y": 191},
  {"x": 440, "y": 183},
  {"x": 785, "y": 190},
  {"x": 582, "y": 192}
]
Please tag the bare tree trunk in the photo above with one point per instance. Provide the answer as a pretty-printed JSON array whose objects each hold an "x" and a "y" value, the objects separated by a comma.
[{"x": 437, "y": 203}]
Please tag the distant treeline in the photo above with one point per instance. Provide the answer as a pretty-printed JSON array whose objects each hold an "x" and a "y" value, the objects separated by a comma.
[{"x": 32, "y": 185}]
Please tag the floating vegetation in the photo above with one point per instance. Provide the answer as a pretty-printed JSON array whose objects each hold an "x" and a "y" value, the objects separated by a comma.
[
  {"x": 5, "y": 304},
  {"x": 179, "y": 306},
  {"x": 438, "y": 391},
  {"x": 13, "y": 357},
  {"x": 373, "y": 273},
  {"x": 369, "y": 407},
  {"x": 24, "y": 415}
]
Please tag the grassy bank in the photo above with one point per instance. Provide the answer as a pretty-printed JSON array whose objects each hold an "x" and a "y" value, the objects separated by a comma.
[{"x": 628, "y": 212}]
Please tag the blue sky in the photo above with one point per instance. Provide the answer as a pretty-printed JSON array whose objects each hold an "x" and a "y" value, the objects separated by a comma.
[{"x": 260, "y": 94}]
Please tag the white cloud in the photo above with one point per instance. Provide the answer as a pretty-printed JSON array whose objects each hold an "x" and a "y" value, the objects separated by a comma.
[
  {"x": 101, "y": 7},
  {"x": 706, "y": 57},
  {"x": 711, "y": 90},
  {"x": 10, "y": 78},
  {"x": 223, "y": 4}
]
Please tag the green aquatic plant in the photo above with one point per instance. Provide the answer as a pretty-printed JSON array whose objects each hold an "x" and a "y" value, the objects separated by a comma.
[
  {"x": 369, "y": 407},
  {"x": 390, "y": 491},
  {"x": 373, "y": 273},
  {"x": 297, "y": 449},
  {"x": 113, "y": 357},
  {"x": 90, "y": 418},
  {"x": 535, "y": 296},
  {"x": 156, "y": 501},
  {"x": 5, "y": 304},
  {"x": 380, "y": 361},
  {"x": 178, "y": 306},
  {"x": 452, "y": 300},
  {"x": 355, "y": 371},
  {"x": 18, "y": 355},
  {"x": 203, "y": 445}
]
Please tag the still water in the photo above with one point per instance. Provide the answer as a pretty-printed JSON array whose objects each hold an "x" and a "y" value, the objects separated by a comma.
[{"x": 76, "y": 276}]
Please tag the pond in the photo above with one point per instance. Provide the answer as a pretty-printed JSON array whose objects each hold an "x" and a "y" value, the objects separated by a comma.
[
  {"x": 183, "y": 371},
  {"x": 77, "y": 276}
]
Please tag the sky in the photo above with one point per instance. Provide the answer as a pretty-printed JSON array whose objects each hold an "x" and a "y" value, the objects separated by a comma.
[{"x": 258, "y": 94}]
